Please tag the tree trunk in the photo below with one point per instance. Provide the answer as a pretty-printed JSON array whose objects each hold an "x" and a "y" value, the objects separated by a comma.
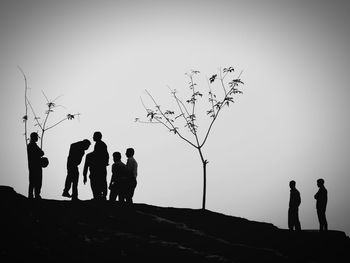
[
  {"x": 204, "y": 183},
  {"x": 42, "y": 139},
  {"x": 204, "y": 165}
]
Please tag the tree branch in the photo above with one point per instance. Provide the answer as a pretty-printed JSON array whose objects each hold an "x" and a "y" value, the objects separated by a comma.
[
  {"x": 211, "y": 98},
  {"x": 36, "y": 118},
  {"x": 25, "y": 117},
  {"x": 64, "y": 119},
  {"x": 155, "y": 117},
  {"x": 222, "y": 82},
  {"x": 218, "y": 111},
  {"x": 173, "y": 127},
  {"x": 179, "y": 104}
]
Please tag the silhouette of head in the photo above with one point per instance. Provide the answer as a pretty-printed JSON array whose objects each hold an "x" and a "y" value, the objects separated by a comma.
[
  {"x": 320, "y": 182},
  {"x": 97, "y": 136},
  {"x": 292, "y": 184},
  {"x": 117, "y": 156},
  {"x": 130, "y": 152},
  {"x": 34, "y": 137},
  {"x": 86, "y": 144}
]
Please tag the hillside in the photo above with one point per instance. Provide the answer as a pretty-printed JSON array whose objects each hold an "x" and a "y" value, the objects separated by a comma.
[{"x": 61, "y": 231}]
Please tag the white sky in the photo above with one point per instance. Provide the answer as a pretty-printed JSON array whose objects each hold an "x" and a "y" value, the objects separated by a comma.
[{"x": 291, "y": 122}]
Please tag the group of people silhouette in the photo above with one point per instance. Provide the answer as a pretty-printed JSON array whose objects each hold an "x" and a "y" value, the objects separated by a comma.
[
  {"x": 123, "y": 180},
  {"x": 295, "y": 201}
]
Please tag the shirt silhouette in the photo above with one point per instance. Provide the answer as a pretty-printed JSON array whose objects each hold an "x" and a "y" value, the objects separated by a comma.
[{"x": 35, "y": 168}]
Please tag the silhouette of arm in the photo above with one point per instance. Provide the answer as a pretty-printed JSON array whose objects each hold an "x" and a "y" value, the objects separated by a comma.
[
  {"x": 298, "y": 199},
  {"x": 317, "y": 195},
  {"x": 114, "y": 175},
  {"x": 106, "y": 155},
  {"x": 41, "y": 152},
  {"x": 38, "y": 151},
  {"x": 86, "y": 167}
]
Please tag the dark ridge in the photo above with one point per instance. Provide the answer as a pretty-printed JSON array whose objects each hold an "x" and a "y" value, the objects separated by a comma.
[{"x": 66, "y": 231}]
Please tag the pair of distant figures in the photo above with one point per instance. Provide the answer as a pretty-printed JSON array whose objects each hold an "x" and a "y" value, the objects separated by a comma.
[
  {"x": 295, "y": 200},
  {"x": 123, "y": 181}
]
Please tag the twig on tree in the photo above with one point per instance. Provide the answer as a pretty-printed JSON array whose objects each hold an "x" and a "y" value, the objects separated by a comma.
[{"x": 173, "y": 129}]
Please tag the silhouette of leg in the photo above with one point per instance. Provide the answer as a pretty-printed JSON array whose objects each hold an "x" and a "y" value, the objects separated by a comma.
[
  {"x": 325, "y": 221},
  {"x": 67, "y": 184},
  {"x": 104, "y": 189},
  {"x": 122, "y": 184},
  {"x": 297, "y": 221},
  {"x": 98, "y": 186},
  {"x": 38, "y": 183},
  {"x": 113, "y": 195},
  {"x": 104, "y": 183},
  {"x": 74, "y": 173},
  {"x": 290, "y": 219},
  {"x": 31, "y": 185},
  {"x": 121, "y": 198},
  {"x": 101, "y": 182},
  {"x": 293, "y": 219},
  {"x": 322, "y": 219},
  {"x": 93, "y": 185},
  {"x": 132, "y": 190}
]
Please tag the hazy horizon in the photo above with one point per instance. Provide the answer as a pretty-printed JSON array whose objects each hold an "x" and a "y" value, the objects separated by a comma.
[{"x": 291, "y": 123}]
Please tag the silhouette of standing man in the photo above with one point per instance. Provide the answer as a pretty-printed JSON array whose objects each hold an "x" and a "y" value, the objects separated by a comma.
[
  {"x": 101, "y": 159},
  {"x": 76, "y": 153},
  {"x": 131, "y": 166},
  {"x": 321, "y": 204},
  {"x": 293, "y": 211},
  {"x": 34, "y": 165},
  {"x": 119, "y": 179}
]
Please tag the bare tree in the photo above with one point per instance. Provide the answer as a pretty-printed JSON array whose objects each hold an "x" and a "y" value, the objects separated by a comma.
[
  {"x": 41, "y": 123},
  {"x": 185, "y": 113}
]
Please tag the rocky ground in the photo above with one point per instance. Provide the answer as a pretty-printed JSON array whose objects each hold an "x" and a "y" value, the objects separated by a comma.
[{"x": 61, "y": 231}]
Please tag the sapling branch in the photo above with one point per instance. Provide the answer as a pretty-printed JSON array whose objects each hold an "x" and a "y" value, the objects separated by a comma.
[
  {"x": 173, "y": 129},
  {"x": 36, "y": 118},
  {"x": 25, "y": 117},
  {"x": 68, "y": 117},
  {"x": 181, "y": 105}
]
